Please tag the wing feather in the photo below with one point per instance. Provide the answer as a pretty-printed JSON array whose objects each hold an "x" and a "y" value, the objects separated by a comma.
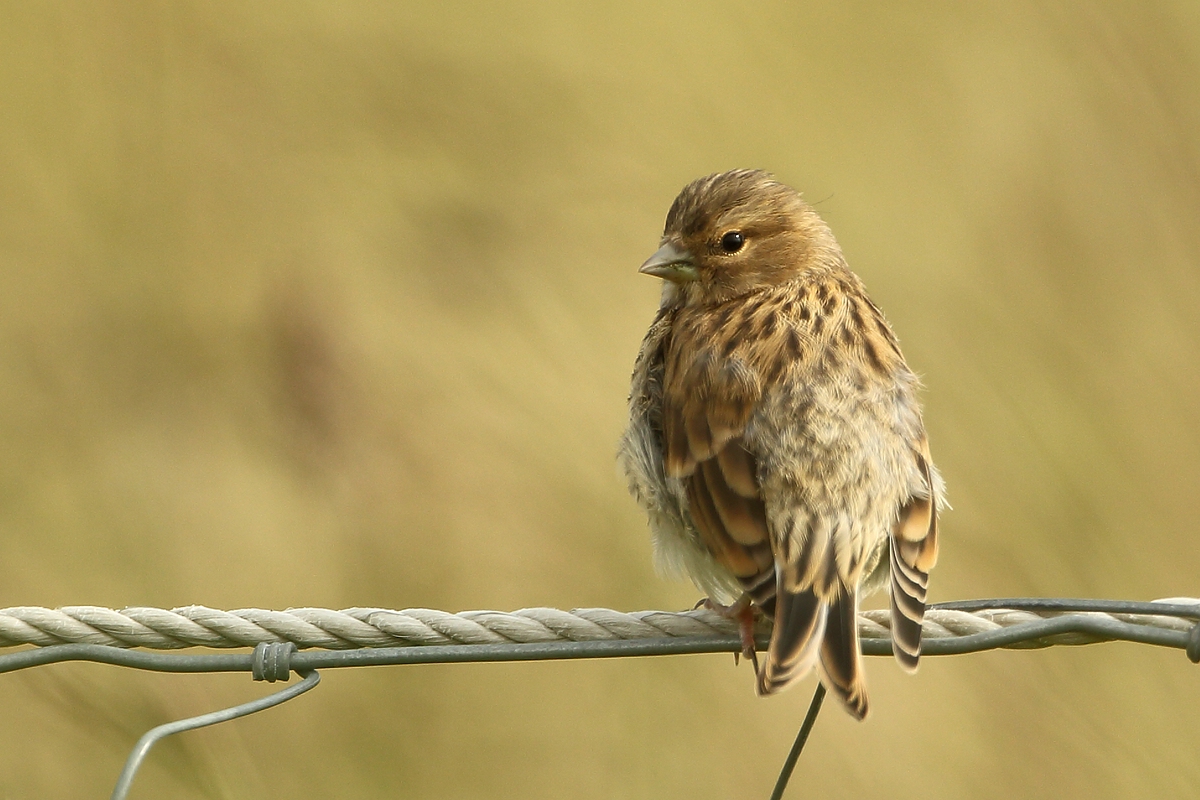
[{"x": 913, "y": 549}]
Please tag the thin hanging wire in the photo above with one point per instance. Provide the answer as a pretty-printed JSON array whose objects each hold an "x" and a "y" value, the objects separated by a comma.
[
  {"x": 154, "y": 735},
  {"x": 810, "y": 719}
]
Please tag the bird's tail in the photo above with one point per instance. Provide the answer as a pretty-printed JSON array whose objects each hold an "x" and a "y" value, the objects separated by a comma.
[{"x": 813, "y": 631}]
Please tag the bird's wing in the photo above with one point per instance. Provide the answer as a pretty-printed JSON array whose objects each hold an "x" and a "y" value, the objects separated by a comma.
[
  {"x": 708, "y": 397},
  {"x": 914, "y": 550}
]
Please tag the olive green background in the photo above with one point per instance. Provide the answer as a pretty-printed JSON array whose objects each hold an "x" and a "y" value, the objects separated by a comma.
[{"x": 334, "y": 304}]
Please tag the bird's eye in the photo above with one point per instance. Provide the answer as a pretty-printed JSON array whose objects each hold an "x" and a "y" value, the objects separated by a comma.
[{"x": 732, "y": 241}]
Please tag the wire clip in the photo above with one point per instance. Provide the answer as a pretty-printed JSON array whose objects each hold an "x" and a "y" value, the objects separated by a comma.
[{"x": 272, "y": 662}]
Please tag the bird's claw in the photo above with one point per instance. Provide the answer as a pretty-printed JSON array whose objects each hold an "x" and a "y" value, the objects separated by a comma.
[{"x": 741, "y": 612}]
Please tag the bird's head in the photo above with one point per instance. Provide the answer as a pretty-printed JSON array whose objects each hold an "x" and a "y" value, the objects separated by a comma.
[{"x": 734, "y": 232}]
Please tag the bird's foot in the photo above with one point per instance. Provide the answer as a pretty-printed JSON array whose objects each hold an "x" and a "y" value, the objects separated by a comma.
[{"x": 741, "y": 612}]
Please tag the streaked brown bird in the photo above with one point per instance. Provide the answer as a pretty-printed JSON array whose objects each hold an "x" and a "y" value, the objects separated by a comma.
[{"x": 775, "y": 438}]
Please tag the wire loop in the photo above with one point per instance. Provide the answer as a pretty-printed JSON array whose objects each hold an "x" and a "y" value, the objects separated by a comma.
[{"x": 1193, "y": 644}]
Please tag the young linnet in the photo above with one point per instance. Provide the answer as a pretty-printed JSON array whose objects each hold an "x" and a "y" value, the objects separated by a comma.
[{"x": 775, "y": 438}]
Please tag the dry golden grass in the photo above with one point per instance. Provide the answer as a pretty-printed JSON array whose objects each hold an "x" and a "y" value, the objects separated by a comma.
[{"x": 336, "y": 304}]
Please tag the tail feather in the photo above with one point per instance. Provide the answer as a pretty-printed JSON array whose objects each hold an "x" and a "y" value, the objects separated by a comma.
[
  {"x": 799, "y": 627},
  {"x": 841, "y": 657},
  {"x": 810, "y": 631}
]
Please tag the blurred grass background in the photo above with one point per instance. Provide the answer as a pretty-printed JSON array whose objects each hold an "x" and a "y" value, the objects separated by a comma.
[{"x": 335, "y": 304}]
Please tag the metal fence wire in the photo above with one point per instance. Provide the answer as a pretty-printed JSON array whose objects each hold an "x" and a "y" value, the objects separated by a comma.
[{"x": 305, "y": 640}]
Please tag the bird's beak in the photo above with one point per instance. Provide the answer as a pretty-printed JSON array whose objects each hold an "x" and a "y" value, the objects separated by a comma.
[{"x": 672, "y": 263}]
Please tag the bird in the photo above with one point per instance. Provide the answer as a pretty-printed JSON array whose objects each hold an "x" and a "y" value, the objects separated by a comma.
[{"x": 775, "y": 436}]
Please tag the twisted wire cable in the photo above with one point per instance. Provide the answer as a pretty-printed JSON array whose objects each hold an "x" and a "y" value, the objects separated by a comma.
[
  {"x": 375, "y": 636},
  {"x": 534, "y": 633}
]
